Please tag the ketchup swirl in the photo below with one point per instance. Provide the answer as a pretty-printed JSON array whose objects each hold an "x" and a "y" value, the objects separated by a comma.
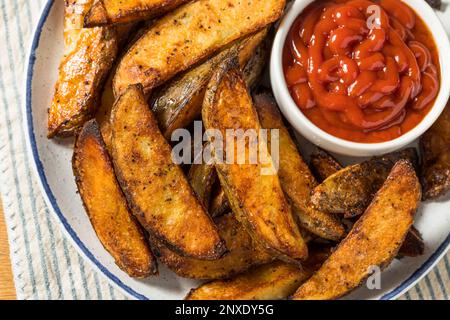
[{"x": 361, "y": 66}]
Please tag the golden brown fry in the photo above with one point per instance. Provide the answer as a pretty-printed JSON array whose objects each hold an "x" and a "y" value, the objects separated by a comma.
[
  {"x": 324, "y": 165},
  {"x": 435, "y": 146},
  {"x": 374, "y": 240},
  {"x": 106, "y": 12},
  {"x": 350, "y": 190},
  {"x": 179, "y": 102},
  {"x": 255, "y": 197},
  {"x": 296, "y": 179},
  {"x": 88, "y": 57},
  {"x": 157, "y": 191},
  {"x": 273, "y": 281},
  {"x": 243, "y": 254},
  {"x": 190, "y": 34},
  {"x": 106, "y": 206}
]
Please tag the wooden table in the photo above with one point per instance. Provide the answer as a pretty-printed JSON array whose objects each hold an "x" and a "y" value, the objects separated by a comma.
[{"x": 7, "y": 290}]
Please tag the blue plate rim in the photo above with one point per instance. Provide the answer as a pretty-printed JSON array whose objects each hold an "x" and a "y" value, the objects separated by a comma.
[{"x": 52, "y": 202}]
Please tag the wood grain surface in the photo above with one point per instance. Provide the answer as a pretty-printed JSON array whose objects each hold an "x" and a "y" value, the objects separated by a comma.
[{"x": 7, "y": 290}]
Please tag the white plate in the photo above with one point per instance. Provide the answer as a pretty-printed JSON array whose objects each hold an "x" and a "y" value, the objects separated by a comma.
[{"x": 52, "y": 164}]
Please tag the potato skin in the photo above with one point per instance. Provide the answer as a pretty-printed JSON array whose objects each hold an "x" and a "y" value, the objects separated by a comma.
[
  {"x": 107, "y": 12},
  {"x": 242, "y": 254},
  {"x": 373, "y": 241},
  {"x": 323, "y": 164},
  {"x": 274, "y": 281},
  {"x": 88, "y": 57},
  {"x": 179, "y": 102},
  {"x": 188, "y": 35},
  {"x": 349, "y": 191},
  {"x": 435, "y": 146},
  {"x": 296, "y": 179},
  {"x": 257, "y": 200},
  {"x": 106, "y": 206},
  {"x": 326, "y": 165},
  {"x": 157, "y": 191}
]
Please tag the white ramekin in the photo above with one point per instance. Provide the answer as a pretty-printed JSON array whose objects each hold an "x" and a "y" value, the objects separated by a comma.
[{"x": 329, "y": 142}]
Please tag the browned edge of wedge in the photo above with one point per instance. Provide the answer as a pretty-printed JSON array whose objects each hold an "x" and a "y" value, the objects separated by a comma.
[
  {"x": 296, "y": 179},
  {"x": 269, "y": 220},
  {"x": 242, "y": 254},
  {"x": 157, "y": 190},
  {"x": 374, "y": 239},
  {"x": 105, "y": 204}
]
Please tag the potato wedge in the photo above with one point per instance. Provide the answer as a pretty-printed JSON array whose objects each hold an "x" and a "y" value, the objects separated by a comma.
[
  {"x": 274, "y": 281},
  {"x": 106, "y": 12},
  {"x": 88, "y": 57},
  {"x": 190, "y": 34},
  {"x": 105, "y": 204},
  {"x": 157, "y": 191},
  {"x": 350, "y": 190},
  {"x": 435, "y": 146},
  {"x": 179, "y": 102},
  {"x": 256, "y": 198},
  {"x": 326, "y": 165},
  {"x": 373, "y": 241},
  {"x": 296, "y": 179},
  {"x": 243, "y": 253},
  {"x": 323, "y": 164}
]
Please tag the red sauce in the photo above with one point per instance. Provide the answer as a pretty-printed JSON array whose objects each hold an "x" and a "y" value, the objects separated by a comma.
[{"x": 359, "y": 77}]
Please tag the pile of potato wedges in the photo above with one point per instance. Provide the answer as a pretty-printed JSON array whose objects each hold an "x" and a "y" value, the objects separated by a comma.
[{"x": 133, "y": 72}]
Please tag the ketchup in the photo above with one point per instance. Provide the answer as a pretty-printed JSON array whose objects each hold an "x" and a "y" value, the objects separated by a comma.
[{"x": 364, "y": 71}]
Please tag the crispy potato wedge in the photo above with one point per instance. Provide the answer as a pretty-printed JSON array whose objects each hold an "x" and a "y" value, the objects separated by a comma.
[
  {"x": 296, "y": 179},
  {"x": 157, "y": 191},
  {"x": 190, "y": 34},
  {"x": 243, "y": 253},
  {"x": 179, "y": 102},
  {"x": 88, "y": 57},
  {"x": 373, "y": 241},
  {"x": 350, "y": 190},
  {"x": 274, "y": 281},
  {"x": 105, "y": 204},
  {"x": 106, "y": 12},
  {"x": 256, "y": 198},
  {"x": 323, "y": 164},
  {"x": 202, "y": 178},
  {"x": 326, "y": 165},
  {"x": 435, "y": 146}
]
